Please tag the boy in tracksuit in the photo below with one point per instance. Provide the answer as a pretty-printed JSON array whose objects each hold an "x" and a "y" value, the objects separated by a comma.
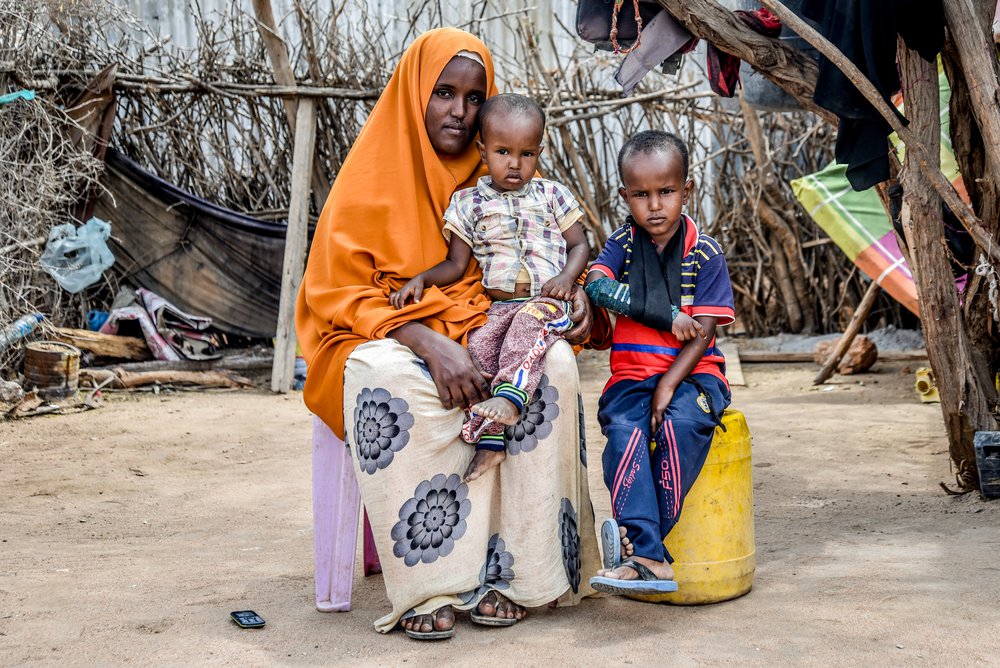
[{"x": 668, "y": 388}]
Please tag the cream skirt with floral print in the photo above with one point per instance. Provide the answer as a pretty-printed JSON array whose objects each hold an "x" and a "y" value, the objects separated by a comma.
[{"x": 525, "y": 528}]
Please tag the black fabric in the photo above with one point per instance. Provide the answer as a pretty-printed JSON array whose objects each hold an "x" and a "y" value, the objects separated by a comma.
[
  {"x": 865, "y": 31},
  {"x": 654, "y": 279}
]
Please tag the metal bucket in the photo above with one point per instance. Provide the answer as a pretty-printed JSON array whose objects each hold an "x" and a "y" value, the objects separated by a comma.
[{"x": 52, "y": 369}]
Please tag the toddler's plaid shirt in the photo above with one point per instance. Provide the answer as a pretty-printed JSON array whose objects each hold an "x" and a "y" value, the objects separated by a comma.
[{"x": 514, "y": 234}]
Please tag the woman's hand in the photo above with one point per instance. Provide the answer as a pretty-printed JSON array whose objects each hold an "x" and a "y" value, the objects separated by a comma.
[
  {"x": 582, "y": 317},
  {"x": 459, "y": 380}
]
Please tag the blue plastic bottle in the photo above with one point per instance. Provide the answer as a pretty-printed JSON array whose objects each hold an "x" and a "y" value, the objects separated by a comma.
[{"x": 19, "y": 330}]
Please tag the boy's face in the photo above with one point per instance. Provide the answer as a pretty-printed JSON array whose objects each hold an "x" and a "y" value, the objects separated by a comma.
[
  {"x": 510, "y": 148},
  {"x": 656, "y": 191}
]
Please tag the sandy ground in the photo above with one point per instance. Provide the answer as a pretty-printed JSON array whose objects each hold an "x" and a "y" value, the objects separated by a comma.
[{"x": 129, "y": 534}]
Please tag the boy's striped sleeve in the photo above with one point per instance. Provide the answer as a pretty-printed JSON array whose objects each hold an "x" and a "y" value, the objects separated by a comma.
[{"x": 713, "y": 294}]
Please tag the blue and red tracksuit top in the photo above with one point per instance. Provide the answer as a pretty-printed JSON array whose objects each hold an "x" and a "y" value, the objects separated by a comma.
[{"x": 638, "y": 351}]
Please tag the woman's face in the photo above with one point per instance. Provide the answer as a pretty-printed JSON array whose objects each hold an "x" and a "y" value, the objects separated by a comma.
[{"x": 453, "y": 109}]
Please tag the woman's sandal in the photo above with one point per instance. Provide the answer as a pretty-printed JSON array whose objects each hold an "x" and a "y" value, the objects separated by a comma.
[
  {"x": 492, "y": 620},
  {"x": 647, "y": 583},
  {"x": 429, "y": 635}
]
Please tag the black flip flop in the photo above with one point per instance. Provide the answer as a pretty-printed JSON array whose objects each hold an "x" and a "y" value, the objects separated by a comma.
[
  {"x": 490, "y": 620},
  {"x": 429, "y": 635},
  {"x": 647, "y": 583}
]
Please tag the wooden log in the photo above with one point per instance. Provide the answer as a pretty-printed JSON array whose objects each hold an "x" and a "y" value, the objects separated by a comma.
[
  {"x": 234, "y": 363},
  {"x": 296, "y": 241},
  {"x": 129, "y": 379},
  {"x": 104, "y": 345},
  {"x": 966, "y": 395},
  {"x": 777, "y": 357},
  {"x": 858, "y": 319}
]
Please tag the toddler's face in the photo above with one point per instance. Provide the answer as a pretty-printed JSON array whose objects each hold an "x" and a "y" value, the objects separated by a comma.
[
  {"x": 510, "y": 149},
  {"x": 656, "y": 190}
]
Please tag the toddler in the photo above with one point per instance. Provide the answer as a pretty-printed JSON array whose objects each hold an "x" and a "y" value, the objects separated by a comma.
[{"x": 525, "y": 232}]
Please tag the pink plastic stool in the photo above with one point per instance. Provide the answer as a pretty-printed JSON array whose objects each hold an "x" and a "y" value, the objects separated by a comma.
[{"x": 336, "y": 502}]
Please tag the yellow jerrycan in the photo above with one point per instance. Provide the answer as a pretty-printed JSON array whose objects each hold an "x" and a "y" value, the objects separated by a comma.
[{"x": 713, "y": 543}]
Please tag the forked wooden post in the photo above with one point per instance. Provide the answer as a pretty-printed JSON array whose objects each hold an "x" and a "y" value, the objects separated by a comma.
[{"x": 296, "y": 239}]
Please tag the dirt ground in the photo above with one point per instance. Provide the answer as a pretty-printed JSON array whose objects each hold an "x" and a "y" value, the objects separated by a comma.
[{"x": 129, "y": 534}]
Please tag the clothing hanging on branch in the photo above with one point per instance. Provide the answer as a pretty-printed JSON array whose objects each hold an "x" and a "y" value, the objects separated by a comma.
[{"x": 865, "y": 32}]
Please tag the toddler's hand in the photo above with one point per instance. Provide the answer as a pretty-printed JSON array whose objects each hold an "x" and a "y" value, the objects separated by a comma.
[
  {"x": 558, "y": 287},
  {"x": 412, "y": 291},
  {"x": 686, "y": 328},
  {"x": 661, "y": 399}
]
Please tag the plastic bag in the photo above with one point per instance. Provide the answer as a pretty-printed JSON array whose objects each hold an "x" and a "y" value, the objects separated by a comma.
[{"x": 76, "y": 257}]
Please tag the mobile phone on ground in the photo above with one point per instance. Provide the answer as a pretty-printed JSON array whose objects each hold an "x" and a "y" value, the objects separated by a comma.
[{"x": 247, "y": 619}]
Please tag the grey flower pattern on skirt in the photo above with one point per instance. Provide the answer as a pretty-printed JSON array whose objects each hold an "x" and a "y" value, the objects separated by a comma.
[
  {"x": 381, "y": 428},
  {"x": 569, "y": 536},
  {"x": 432, "y": 520},
  {"x": 535, "y": 423},
  {"x": 583, "y": 431},
  {"x": 497, "y": 571}
]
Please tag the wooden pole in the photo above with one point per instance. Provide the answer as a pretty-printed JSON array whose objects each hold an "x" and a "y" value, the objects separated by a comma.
[
  {"x": 858, "y": 319},
  {"x": 284, "y": 75},
  {"x": 296, "y": 240},
  {"x": 967, "y": 396}
]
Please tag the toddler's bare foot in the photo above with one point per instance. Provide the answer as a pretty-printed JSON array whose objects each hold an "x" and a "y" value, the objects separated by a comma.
[
  {"x": 481, "y": 463},
  {"x": 661, "y": 569},
  {"x": 499, "y": 409}
]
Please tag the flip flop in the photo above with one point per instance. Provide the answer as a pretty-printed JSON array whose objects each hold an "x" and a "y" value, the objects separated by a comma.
[
  {"x": 611, "y": 544},
  {"x": 647, "y": 583},
  {"x": 429, "y": 635},
  {"x": 488, "y": 620}
]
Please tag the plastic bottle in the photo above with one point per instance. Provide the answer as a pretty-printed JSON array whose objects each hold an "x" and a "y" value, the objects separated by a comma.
[
  {"x": 300, "y": 373},
  {"x": 19, "y": 330}
]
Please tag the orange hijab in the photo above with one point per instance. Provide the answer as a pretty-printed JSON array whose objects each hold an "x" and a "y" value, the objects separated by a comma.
[{"x": 381, "y": 226}]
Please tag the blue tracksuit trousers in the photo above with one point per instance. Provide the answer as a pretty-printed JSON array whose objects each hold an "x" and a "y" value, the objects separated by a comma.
[{"x": 648, "y": 481}]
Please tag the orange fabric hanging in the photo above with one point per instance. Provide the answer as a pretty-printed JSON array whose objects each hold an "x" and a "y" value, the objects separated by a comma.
[{"x": 381, "y": 226}]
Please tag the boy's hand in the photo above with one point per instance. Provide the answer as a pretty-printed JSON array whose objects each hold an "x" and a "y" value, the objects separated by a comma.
[
  {"x": 559, "y": 287},
  {"x": 686, "y": 328},
  {"x": 412, "y": 291},
  {"x": 661, "y": 399}
]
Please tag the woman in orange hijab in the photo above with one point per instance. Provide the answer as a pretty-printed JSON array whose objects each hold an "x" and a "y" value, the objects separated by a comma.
[{"x": 394, "y": 381}]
